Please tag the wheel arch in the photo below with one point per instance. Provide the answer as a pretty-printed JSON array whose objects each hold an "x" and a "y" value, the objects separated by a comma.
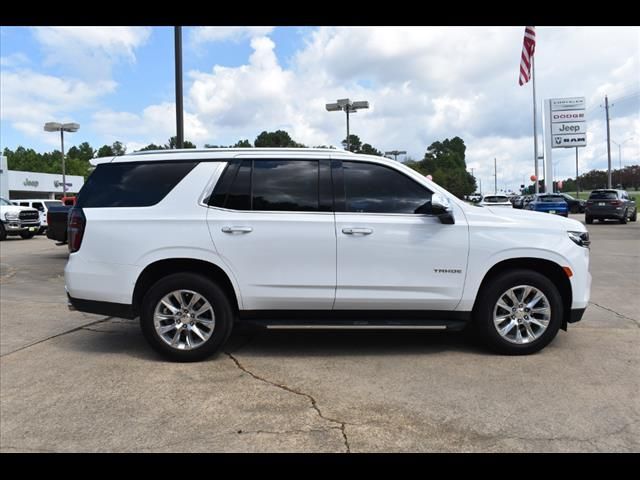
[
  {"x": 161, "y": 268},
  {"x": 548, "y": 268}
]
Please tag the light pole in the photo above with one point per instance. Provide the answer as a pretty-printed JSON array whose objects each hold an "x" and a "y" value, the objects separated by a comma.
[
  {"x": 62, "y": 127},
  {"x": 620, "y": 155},
  {"x": 349, "y": 107},
  {"x": 395, "y": 153}
]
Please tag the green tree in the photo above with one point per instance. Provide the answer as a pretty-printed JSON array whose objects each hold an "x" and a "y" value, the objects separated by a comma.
[
  {"x": 243, "y": 144},
  {"x": 279, "y": 138},
  {"x": 173, "y": 142},
  {"x": 355, "y": 144},
  {"x": 445, "y": 162}
]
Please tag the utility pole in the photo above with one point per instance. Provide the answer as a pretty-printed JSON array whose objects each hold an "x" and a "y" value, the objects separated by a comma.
[
  {"x": 577, "y": 179},
  {"x": 495, "y": 174},
  {"x": 179, "y": 119},
  {"x": 606, "y": 107}
]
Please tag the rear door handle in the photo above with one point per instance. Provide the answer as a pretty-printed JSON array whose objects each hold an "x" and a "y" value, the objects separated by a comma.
[
  {"x": 357, "y": 231},
  {"x": 237, "y": 229}
]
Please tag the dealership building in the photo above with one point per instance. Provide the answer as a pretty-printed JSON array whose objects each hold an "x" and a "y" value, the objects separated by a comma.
[{"x": 15, "y": 185}]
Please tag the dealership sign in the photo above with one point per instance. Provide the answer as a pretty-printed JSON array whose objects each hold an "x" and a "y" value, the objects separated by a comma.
[
  {"x": 567, "y": 122},
  {"x": 42, "y": 182}
]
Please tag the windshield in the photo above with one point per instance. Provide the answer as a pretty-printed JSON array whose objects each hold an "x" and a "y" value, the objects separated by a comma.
[
  {"x": 604, "y": 195},
  {"x": 4, "y": 202},
  {"x": 551, "y": 199},
  {"x": 495, "y": 199}
]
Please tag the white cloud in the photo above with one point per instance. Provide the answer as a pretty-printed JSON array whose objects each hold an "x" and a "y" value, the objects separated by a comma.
[
  {"x": 156, "y": 124},
  {"x": 90, "y": 52},
  {"x": 201, "y": 35},
  {"x": 30, "y": 99}
]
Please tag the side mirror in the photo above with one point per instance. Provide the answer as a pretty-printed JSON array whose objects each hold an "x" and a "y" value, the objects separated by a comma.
[{"x": 441, "y": 208}]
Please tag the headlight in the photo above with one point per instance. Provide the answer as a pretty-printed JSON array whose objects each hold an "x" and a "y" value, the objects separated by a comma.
[
  {"x": 11, "y": 216},
  {"x": 580, "y": 238}
]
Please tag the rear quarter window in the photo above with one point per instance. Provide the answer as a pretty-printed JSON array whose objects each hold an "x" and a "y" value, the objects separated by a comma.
[
  {"x": 603, "y": 195},
  {"x": 132, "y": 184}
]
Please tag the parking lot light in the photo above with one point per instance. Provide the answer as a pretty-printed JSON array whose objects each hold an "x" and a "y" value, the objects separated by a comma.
[{"x": 62, "y": 127}]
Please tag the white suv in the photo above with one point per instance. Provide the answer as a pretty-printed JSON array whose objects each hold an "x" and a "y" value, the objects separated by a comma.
[{"x": 193, "y": 241}]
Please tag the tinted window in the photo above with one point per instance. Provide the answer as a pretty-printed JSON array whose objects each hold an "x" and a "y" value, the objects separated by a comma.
[
  {"x": 132, "y": 184},
  {"x": 287, "y": 185},
  {"x": 24, "y": 204},
  {"x": 371, "y": 188},
  {"x": 551, "y": 199},
  {"x": 604, "y": 195},
  {"x": 495, "y": 199},
  {"x": 219, "y": 195},
  {"x": 52, "y": 204},
  {"x": 38, "y": 205},
  {"x": 239, "y": 195}
]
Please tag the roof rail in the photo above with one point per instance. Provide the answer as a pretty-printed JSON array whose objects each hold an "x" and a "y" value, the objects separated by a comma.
[{"x": 236, "y": 149}]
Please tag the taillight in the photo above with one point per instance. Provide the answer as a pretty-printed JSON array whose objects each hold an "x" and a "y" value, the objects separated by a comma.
[
  {"x": 75, "y": 229},
  {"x": 589, "y": 202},
  {"x": 616, "y": 203}
]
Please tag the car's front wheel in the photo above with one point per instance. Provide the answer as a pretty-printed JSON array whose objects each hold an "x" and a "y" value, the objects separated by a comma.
[
  {"x": 27, "y": 235},
  {"x": 588, "y": 219},
  {"x": 519, "y": 312},
  {"x": 634, "y": 217},
  {"x": 186, "y": 317}
]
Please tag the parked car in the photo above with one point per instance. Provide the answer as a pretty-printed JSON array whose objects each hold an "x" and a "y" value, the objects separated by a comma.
[
  {"x": 42, "y": 205},
  {"x": 57, "y": 219},
  {"x": 475, "y": 198},
  {"x": 575, "y": 205},
  {"x": 16, "y": 220},
  {"x": 517, "y": 202},
  {"x": 549, "y": 203},
  {"x": 195, "y": 241},
  {"x": 609, "y": 203},
  {"x": 496, "y": 201}
]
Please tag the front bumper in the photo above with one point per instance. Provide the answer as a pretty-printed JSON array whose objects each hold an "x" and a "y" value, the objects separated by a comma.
[{"x": 20, "y": 227}]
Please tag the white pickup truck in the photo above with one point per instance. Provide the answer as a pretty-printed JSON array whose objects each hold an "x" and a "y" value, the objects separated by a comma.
[{"x": 16, "y": 220}]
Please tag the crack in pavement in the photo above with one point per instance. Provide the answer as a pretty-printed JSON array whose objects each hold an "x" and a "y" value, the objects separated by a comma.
[
  {"x": 83, "y": 327},
  {"x": 27, "y": 449},
  {"x": 314, "y": 404},
  {"x": 618, "y": 314},
  {"x": 286, "y": 432}
]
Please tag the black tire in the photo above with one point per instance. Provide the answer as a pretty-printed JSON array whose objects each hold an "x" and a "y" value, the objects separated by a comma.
[
  {"x": 27, "y": 235},
  {"x": 588, "y": 219},
  {"x": 3, "y": 232},
  {"x": 623, "y": 219},
  {"x": 634, "y": 217},
  {"x": 217, "y": 298},
  {"x": 490, "y": 294}
]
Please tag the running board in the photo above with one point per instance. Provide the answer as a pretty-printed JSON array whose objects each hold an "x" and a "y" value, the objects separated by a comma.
[
  {"x": 354, "y": 327},
  {"x": 346, "y": 324}
]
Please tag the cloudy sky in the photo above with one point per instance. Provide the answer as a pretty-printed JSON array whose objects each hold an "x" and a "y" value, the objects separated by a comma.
[{"x": 423, "y": 84}]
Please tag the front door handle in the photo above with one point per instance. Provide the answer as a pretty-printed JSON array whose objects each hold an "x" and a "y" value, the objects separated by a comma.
[
  {"x": 237, "y": 229},
  {"x": 357, "y": 231}
]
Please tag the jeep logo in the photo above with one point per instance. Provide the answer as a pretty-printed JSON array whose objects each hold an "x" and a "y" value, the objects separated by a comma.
[{"x": 30, "y": 183}]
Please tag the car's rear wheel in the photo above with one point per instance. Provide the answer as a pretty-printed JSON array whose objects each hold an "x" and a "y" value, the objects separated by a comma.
[
  {"x": 3, "y": 232},
  {"x": 634, "y": 217},
  {"x": 519, "y": 312},
  {"x": 186, "y": 317},
  {"x": 624, "y": 217},
  {"x": 588, "y": 219}
]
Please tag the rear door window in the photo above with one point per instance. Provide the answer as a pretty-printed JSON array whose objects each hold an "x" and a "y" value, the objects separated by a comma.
[{"x": 132, "y": 184}]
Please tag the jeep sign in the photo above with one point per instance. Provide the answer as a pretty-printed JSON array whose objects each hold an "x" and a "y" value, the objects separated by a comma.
[{"x": 567, "y": 122}]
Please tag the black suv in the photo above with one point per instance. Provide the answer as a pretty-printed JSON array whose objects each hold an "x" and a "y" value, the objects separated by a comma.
[
  {"x": 575, "y": 205},
  {"x": 609, "y": 203}
]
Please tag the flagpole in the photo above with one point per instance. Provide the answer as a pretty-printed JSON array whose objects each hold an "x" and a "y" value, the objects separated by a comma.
[{"x": 535, "y": 127}]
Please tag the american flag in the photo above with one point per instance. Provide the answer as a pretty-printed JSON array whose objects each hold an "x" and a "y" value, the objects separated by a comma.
[{"x": 528, "y": 47}]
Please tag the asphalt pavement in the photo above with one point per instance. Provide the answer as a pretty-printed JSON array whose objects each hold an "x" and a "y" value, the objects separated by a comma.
[{"x": 74, "y": 382}]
